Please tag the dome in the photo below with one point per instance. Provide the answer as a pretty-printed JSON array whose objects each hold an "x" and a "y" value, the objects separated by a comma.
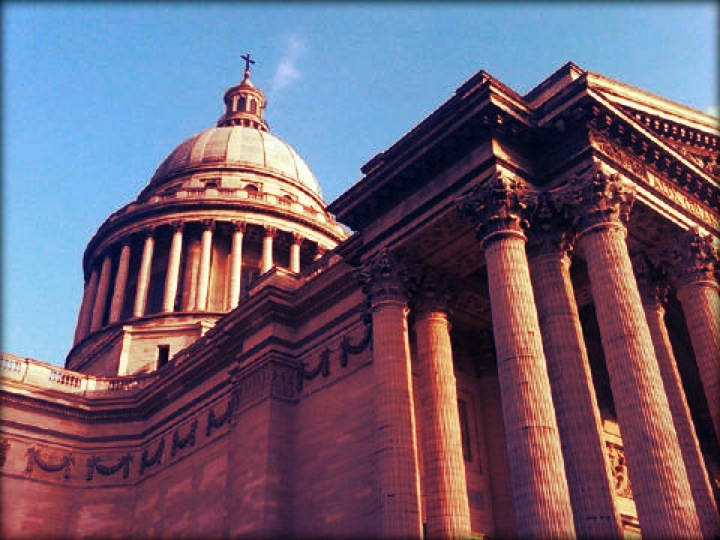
[{"x": 241, "y": 148}]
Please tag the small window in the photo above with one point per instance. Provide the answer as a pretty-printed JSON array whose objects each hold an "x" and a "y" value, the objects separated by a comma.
[
  {"x": 240, "y": 104},
  {"x": 252, "y": 191},
  {"x": 163, "y": 355},
  {"x": 253, "y": 106}
]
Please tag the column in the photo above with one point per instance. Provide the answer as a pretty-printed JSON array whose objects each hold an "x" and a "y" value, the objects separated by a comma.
[
  {"x": 662, "y": 493},
  {"x": 88, "y": 300},
  {"x": 447, "y": 512},
  {"x": 192, "y": 267},
  {"x": 397, "y": 471},
  {"x": 236, "y": 263},
  {"x": 653, "y": 293},
  {"x": 573, "y": 392},
  {"x": 295, "y": 253},
  {"x": 540, "y": 490},
  {"x": 102, "y": 294},
  {"x": 143, "y": 281},
  {"x": 120, "y": 283},
  {"x": 267, "y": 249},
  {"x": 203, "y": 286},
  {"x": 698, "y": 294},
  {"x": 173, "y": 270}
]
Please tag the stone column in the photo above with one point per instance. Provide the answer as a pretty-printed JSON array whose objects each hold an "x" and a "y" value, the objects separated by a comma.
[
  {"x": 267, "y": 249},
  {"x": 88, "y": 300},
  {"x": 173, "y": 270},
  {"x": 698, "y": 294},
  {"x": 399, "y": 509},
  {"x": 203, "y": 286},
  {"x": 102, "y": 294},
  {"x": 190, "y": 275},
  {"x": 539, "y": 484},
  {"x": 120, "y": 283},
  {"x": 662, "y": 493},
  {"x": 653, "y": 292},
  {"x": 573, "y": 392},
  {"x": 447, "y": 512},
  {"x": 143, "y": 282},
  {"x": 236, "y": 263},
  {"x": 295, "y": 253}
]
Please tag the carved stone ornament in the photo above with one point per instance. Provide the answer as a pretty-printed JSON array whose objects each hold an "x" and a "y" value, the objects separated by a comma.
[
  {"x": 34, "y": 458},
  {"x": 696, "y": 257},
  {"x": 495, "y": 206},
  {"x": 551, "y": 225},
  {"x": 618, "y": 468},
  {"x": 431, "y": 290},
  {"x": 148, "y": 460},
  {"x": 599, "y": 197},
  {"x": 651, "y": 280},
  {"x": 94, "y": 465},
  {"x": 383, "y": 277}
]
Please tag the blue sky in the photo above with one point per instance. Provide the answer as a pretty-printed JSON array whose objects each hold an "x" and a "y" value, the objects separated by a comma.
[{"x": 95, "y": 95}]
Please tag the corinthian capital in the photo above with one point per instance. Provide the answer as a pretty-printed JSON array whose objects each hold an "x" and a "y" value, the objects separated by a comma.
[
  {"x": 383, "y": 277},
  {"x": 495, "y": 206},
  {"x": 651, "y": 280},
  {"x": 600, "y": 197},
  {"x": 551, "y": 225},
  {"x": 696, "y": 257},
  {"x": 431, "y": 290}
]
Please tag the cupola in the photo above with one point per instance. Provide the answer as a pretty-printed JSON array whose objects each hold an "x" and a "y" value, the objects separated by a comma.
[{"x": 244, "y": 104}]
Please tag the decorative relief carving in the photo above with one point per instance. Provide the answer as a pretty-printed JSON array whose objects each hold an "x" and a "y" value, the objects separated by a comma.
[
  {"x": 346, "y": 349},
  {"x": 150, "y": 461},
  {"x": 214, "y": 421},
  {"x": 34, "y": 458},
  {"x": 551, "y": 225},
  {"x": 93, "y": 465},
  {"x": 431, "y": 290},
  {"x": 494, "y": 206},
  {"x": 651, "y": 280},
  {"x": 598, "y": 197},
  {"x": 383, "y": 277},
  {"x": 618, "y": 467},
  {"x": 695, "y": 257},
  {"x": 178, "y": 443}
]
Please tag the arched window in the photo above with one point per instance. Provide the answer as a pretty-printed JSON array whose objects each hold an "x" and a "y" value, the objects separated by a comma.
[
  {"x": 253, "y": 106},
  {"x": 240, "y": 104},
  {"x": 252, "y": 191}
]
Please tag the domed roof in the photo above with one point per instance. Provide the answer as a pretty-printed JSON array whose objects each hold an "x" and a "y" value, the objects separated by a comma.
[{"x": 240, "y": 147}]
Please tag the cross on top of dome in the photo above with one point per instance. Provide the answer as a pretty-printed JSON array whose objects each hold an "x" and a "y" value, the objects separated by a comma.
[{"x": 244, "y": 104}]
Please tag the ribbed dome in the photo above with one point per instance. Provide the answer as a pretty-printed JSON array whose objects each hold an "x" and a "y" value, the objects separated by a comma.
[{"x": 237, "y": 147}]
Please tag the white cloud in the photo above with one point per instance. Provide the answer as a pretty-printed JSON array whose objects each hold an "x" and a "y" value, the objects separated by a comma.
[{"x": 287, "y": 71}]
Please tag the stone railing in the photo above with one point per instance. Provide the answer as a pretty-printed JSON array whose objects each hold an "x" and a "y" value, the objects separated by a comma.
[{"x": 48, "y": 377}]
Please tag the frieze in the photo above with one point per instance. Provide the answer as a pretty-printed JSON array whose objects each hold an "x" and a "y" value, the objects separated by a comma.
[
  {"x": 34, "y": 458},
  {"x": 94, "y": 465},
  {"x": 178, "y": 443},
  {"x": 4, "y": 449},
  {"x": 618, "y": 468},
  {"x": 275, "y": 378},
  {"x": 147, "y": 461}
]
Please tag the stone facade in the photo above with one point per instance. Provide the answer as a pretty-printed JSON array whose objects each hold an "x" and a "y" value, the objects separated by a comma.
[{"x": 519, "y": 338}]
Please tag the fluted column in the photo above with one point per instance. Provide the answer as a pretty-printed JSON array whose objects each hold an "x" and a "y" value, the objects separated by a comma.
[
  {"x": 662, "y": 493},
  {"x": 236, "y": 263},
  {"x": 447, "y": 512},
  {"x": 173, "y": 270},
  {"x": 698, "y": 294},
  {"x": 102, "y": 294},
  {"x": 267, "y": 249},
  {"x": 121, "y": 277},
  {"x": 295, "y": 253},
  {"x": 539, "y": 484},
  {"x": 83, "y": 325},
  {"x": 143, "y": 282},
  {"x": 573, "y": 392},
  {"x": 653, "y": 292},
  {"x": 203, "y": 286},
  {"x": 399, "y": 510}
]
